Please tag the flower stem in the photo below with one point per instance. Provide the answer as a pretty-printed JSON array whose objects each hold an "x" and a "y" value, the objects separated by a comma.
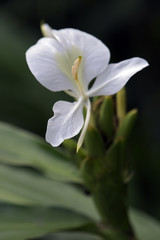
[{"x": 105, "y": 179}]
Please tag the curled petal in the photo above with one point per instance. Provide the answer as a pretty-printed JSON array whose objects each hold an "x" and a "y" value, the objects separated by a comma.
[
  {"x": 116, "y": 76},
  {"x": 66, "y": 122}
]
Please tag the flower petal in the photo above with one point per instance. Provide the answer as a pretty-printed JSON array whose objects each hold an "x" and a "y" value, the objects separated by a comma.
[
  {"x": 66, "y": 123},
  {"x": 87, "y": 119},
  {"x": 48, "y": 62},
  {"x": 94, "y": 53},
  {"x": 116, "y": 76}
]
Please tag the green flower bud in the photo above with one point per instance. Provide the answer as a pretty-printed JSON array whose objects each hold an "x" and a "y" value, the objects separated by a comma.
[
  {"x": 71, "y": 145},
  {"x": 121, "y": 105},
  {"x": 94, "y": 142},
  {"x": 126, "y": 127},
  {"x": 106, "y": 118}
]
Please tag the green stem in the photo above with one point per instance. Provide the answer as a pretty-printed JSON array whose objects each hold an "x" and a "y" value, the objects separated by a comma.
[{"x": 105, "y": 178}]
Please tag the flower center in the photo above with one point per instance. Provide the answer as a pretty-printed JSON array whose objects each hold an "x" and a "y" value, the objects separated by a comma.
[{"x": 75, "y": 69}]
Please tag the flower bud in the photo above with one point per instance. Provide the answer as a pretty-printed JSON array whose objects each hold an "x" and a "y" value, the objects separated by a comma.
[
  {"x": 121, "y": 105},
  {"x": 94, "y": 142},
  {"x": 126, "y": 127},
  {"x": 106, "y": 118}
]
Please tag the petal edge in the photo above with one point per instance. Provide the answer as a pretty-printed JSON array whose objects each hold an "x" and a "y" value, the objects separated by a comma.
[
  {"x": 116, "y": 76},
  {"x": 66, "y": 122}
]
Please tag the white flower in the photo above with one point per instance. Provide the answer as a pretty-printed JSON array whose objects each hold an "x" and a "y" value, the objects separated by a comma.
[{"x": 69, "y": 59}]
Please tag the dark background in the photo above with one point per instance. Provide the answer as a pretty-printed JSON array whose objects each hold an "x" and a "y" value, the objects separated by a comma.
[{"x": 129, "y": 28}]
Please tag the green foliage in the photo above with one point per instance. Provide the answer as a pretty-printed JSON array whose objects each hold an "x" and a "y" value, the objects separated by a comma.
[
  {"x": 23, "y": 149},
  {"x": 73, "y": 236},
  {"x": 21, "y": 223},
  {"x": 41, "y": 205},
  {"x": 24, "y": 187},
  {"x": 146, "y": 227}
]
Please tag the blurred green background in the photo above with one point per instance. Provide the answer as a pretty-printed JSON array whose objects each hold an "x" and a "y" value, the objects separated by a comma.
[{"x": 129, "y": 28}]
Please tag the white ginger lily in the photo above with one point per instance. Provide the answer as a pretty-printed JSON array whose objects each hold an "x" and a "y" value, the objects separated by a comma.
[{"x": 68, "y": 60}]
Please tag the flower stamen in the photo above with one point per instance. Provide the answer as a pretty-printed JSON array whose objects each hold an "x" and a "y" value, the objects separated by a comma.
[{"x": 75, "y": 69}]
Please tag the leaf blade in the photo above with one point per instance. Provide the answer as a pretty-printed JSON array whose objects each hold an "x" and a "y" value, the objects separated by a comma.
[
  {"x": 18, "y": 223},
  {"x": 19, "y": 147},
  {"x": 28, "y": 189},
  {"x": 145, "y": 227},
  {"x": 74, "y": 236}
]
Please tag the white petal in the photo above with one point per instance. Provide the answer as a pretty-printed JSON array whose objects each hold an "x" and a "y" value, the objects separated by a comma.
[
  {"x": 48, "y": 62},
  {"x": 95, "y": 55},
  {"x": 83, "y": 132},
  {"x": 66, "y": 123},
  {"x": 116, "y": 76}
]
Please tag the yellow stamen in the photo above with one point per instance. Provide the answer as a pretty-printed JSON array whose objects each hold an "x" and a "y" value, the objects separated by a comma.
[{"x": 75, "y": 68}]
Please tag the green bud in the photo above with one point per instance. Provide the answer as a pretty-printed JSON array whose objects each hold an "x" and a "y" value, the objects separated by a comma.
[
  {"x": 106, "y": 118},
  {"x": 114, "y": 158},
  {"x": 94, "y": 142},
  {"x": 96, "y": 105},
  {"x": 71, "y": 145},
  {"x": 121, "y": 105},
  {"x": 126, "y": 127}
]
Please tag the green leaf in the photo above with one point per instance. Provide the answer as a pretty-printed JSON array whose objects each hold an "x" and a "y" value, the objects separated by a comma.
[
  {"x": 146, "y": 227},
  {"x": 19, "y": 147},
  {"x": 74, "y": 236},
  {"x": 19, "y": 223},
  {"x": 25, "y": 188}
]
